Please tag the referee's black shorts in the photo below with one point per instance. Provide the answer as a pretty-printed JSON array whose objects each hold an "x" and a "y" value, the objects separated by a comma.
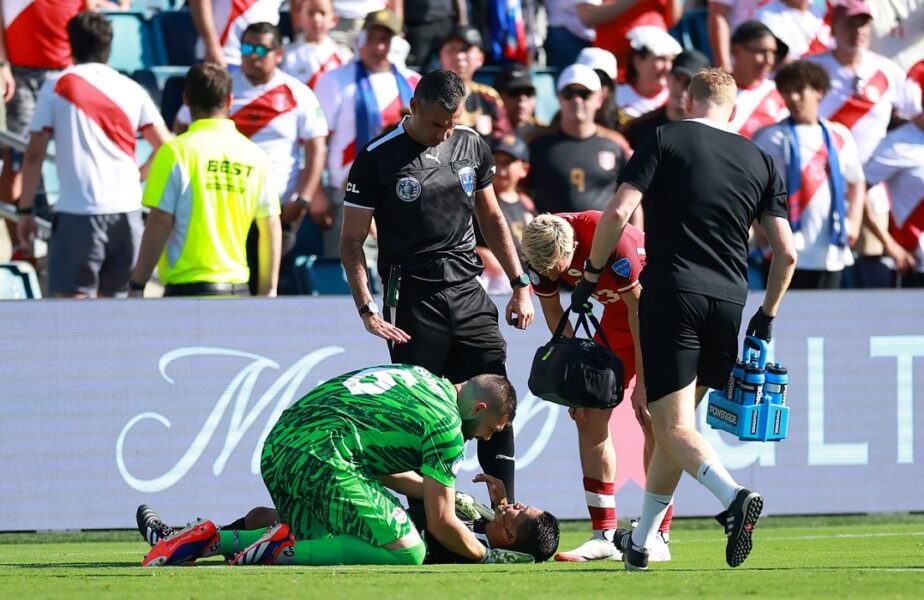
[
  {"x": 454, "y": 329},
  {"x": 685, "y": 335}
]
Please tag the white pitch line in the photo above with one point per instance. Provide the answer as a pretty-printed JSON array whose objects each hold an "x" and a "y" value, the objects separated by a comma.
[{"x": 814, "y": 537}]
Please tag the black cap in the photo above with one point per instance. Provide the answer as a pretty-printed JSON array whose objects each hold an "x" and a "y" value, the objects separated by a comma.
[
  {"x": 690, "y": 62},
  {"x": 754, "y": 30},
  {"x": 513, "y": 77},
  {"x": 469, "y": 35},
  {"x": 512, "y": 145}
]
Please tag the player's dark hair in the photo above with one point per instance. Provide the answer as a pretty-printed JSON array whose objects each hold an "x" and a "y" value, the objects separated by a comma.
[
  {"x": 501, "y": 390},
  {"x": 539, "y": 537},
  {"x": 90, "y": 34},
  {"x": 263, "y": 27},
  {"x": 207, "y": 88},
  {"x": 796, "y": 75},
  {"x": 441, "y": 87}
]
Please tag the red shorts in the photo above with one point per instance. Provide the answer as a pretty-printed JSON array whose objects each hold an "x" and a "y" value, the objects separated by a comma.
[{"x": 615, "y": 325}]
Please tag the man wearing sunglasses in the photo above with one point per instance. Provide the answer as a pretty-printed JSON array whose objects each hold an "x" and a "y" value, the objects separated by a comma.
[
  {"x": 518, "y": 92},
  {"x": 575, "y": 168},
  {"x": 282, "y": 116}
]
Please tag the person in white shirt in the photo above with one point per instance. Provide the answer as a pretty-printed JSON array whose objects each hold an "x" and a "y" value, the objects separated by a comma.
[
  {"x": 317, "y": 53},
  {"x": 755, "y": 53},
  {"x": 371, "y": 88},
  {"x": 800, "y": 24},
  {"x": 221, "y": 23},
  {"x": 724, "y": 17},
  {"x": 823, "y": 175},
  {"x": 283, "y": 117},
  {"x": 898, "y": 162},
  {"x": 866, "y": 90},
  {"x": 653, "y": 53},
  {"x": 92, "y": 113}
]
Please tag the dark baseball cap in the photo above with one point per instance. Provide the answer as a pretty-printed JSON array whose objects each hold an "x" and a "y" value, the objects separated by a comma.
[
  {"x": 384, "y": 18},
  {"x": 469, "y": 35},
  {"x": 512, "y": 145},
  {"x": 689, "y": 63},
  {"x": 754, "y": 30},
  {"x": 514, "y": 77}
]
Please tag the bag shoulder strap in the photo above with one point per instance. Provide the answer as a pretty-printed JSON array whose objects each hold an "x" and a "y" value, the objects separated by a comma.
[{"x": 582, "y": 321}]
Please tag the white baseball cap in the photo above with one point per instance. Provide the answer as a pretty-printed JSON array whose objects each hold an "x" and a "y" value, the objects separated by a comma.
[
  {"x": 600, "y": 60},
  {"x": 579, "y": 75},
  {"x": 655, "y": 39}
]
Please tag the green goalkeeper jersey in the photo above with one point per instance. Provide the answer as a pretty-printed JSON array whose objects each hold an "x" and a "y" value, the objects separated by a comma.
[{"x": 386, "y": 419}]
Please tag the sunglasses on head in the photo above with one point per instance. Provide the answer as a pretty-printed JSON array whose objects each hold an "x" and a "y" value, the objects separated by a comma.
[
  {"x": 570, "y": 93},
  {"x": 258, "y": 49}
]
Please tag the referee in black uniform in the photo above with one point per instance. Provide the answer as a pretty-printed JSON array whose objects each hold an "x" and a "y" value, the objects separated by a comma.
[
  {"x": 702, "y": 187},
  {"x": 422, "y": 181}
]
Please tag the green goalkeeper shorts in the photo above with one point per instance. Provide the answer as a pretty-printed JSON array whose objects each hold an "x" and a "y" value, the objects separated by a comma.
[{"x": 319, "y": 497}]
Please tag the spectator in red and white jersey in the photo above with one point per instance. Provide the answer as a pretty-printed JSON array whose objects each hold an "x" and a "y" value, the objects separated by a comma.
[
  {"x": 898, "y": 162},
  {"x": 723, "y": 18},
  {"x": 653, "y": 53},
  {"x": 360, "y": 100},
  {"x": 614, "y": 19},
  {"x": 755, "y": 52},
  {"x": 317, "y": 53},
  {"x": 820, "y": 166},
  {"x": 916, "y": 74},
  {"x": 866, "y": 89},
  {"x": 92, "y": 113},
  {"x": 221, "y": 23},
  {"x": 898, "y": 30},
  {"x": 283, "y": 117},
  {"x": 25, "y": 67},
  {"x": 800, "y": 24}
]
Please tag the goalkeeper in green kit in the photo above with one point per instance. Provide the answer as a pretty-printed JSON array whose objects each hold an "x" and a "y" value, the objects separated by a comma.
[{"x": 331, "y": 455}]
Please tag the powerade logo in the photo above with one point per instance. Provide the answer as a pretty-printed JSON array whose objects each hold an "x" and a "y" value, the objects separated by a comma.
[
  {"x": 755, "y": 415},
  {"x": 723, "y": 415},
  {"x": 776, "y": 422}
]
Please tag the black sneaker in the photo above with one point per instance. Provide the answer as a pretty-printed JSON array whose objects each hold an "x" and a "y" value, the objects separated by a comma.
[
  {"x": 634, "y": 557},
  {"x": 151, "y": 527},
  {"x": 739, "y": 521}
]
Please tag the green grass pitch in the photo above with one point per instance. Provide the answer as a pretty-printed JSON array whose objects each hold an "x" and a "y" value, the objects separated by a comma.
[{"x": 807, "y": 557}]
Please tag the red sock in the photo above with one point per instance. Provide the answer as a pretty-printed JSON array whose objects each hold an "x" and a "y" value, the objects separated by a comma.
[
  {"x": 601, "y": 503},
  {"x": 666, "y": 521}
]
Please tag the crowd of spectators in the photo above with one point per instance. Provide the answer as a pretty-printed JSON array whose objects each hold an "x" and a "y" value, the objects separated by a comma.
[{"x": 851, "y": 72}]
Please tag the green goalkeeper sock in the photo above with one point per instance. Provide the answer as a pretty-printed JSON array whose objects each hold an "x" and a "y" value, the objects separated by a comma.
[
  {"x": 350, "y": 550},
  {"x": 233, "y": 541}
]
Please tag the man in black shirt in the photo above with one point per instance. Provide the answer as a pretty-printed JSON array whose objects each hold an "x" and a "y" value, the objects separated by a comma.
[
  {"x": 575, "y": 168},
  {"x": 702, "y": 187},
  {"x": 422, "y": 182}
]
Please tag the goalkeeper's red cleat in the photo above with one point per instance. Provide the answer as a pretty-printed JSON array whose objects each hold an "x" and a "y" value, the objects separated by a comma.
[
  {"x": 183, "y": 547},
  {"x": 277, "y": 540}
]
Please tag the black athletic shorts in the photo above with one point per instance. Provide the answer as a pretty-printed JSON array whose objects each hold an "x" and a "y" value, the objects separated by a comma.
[
  {"x": 685, "y": 336},
  {"x": 454, "y": 330}
]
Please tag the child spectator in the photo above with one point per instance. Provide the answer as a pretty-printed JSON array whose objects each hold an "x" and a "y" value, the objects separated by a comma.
[
  {"x": 511, "y": 158},
  {"x": 309, "y": 58}
]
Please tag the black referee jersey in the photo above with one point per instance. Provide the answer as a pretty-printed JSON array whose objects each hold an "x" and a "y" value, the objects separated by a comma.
[{"x": 423, "y": 200}]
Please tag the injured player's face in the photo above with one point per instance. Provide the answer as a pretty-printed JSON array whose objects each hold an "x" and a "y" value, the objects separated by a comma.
[{"x": 508, "y": 519}]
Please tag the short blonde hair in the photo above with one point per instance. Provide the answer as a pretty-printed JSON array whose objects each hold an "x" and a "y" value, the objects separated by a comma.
[
  {"x": 545, "y": 240},
  {"x": 713, "y": 86}
]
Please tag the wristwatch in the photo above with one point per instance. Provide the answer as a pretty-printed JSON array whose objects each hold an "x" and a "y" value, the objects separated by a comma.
[
  {"x": 302, "y": 201},
  {"x": 369, "y": 308},
  {"x": 521, "y": 280}
]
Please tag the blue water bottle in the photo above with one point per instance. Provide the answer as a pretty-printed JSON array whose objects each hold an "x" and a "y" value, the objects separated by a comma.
[
  {"x": 751, "y": 387},
  {"x": 732, "y": 387},
  {"x": 775, "y": 384}
]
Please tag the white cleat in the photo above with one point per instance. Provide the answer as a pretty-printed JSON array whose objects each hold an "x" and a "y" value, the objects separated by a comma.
[
  {"x": 593, "y": 549},
  {"x": 659, "y": 550}
]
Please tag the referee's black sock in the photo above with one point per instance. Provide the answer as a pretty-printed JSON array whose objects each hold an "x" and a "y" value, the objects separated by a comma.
[{"x": 496, "y": 457}]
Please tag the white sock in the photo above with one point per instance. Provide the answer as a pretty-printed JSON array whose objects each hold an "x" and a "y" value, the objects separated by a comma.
[
  {"x": 654, "y": 506},
  {"x": 713, "y": 475},
  {"x": 605, "y": 534}
]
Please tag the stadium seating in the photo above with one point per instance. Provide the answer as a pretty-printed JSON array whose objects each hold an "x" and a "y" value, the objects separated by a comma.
[
  {"x": 135, "y": 44},
  {"x": 18, "y": 281},
  {"x": 176, "y": 29}
]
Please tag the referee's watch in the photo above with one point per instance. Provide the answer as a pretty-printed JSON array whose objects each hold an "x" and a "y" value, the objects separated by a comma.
[
  {"x": 521, "y": 280},
  {"x": 369, "y": 308}
]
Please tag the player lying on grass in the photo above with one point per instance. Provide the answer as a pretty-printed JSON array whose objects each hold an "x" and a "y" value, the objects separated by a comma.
[
  {"x": 508, "y": 526},
  {"x": 326, "y": 457}
]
